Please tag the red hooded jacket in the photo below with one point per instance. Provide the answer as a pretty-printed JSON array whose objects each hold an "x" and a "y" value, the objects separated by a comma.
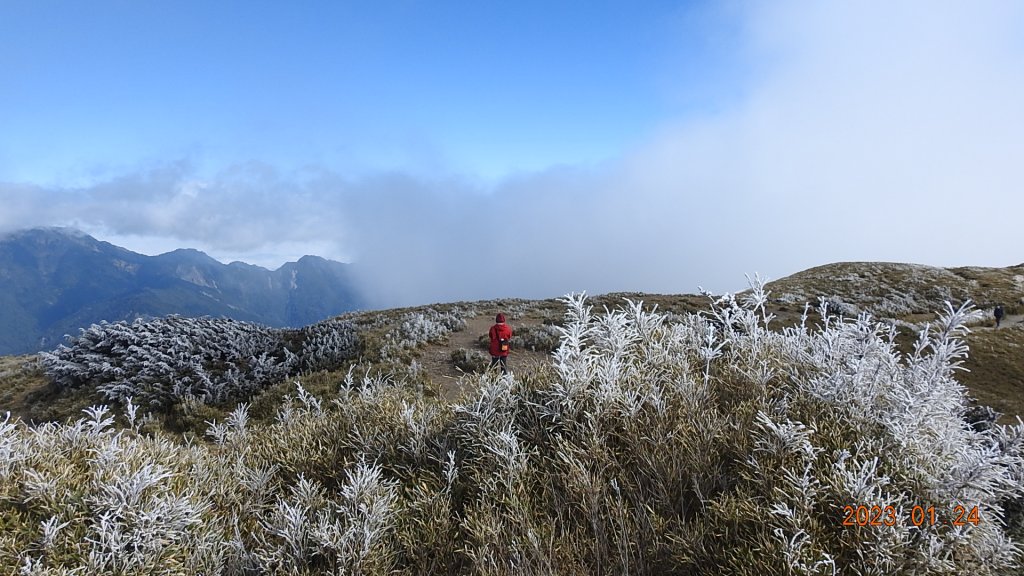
[{"x": 500, "y": 331}]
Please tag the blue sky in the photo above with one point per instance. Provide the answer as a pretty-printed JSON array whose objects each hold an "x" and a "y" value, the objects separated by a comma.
[
  {"x": 483, "y": 88},
  {"x": 651, "y": 146}
]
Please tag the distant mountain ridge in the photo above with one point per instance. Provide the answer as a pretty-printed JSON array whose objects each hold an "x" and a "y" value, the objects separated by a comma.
[{"x": 54, "y": 281}]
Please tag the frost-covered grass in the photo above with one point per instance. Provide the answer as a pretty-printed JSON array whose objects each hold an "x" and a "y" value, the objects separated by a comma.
[{"x": 707, "y": 444}]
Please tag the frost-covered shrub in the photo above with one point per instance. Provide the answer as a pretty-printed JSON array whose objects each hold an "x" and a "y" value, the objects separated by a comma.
[
  {"x": 95, "y": 500},
  {"x": 418, "y": 328},
  {"x": 518, "y": 310},
  {"x": 327, "y": 345},
  {"x": 837, "y": 307},
  {"x": 85, "y": 498},
  {"x": 543, "y": 338},
  {"x": 717, "y": 446},
  {"x": 710, "y": 445},
  {"x": 161, "y": 361},
  {"x": 430, "y": 326},
  {"x": 898, "y": 304}
]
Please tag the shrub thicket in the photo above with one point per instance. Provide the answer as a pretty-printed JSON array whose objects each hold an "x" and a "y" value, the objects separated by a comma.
[
  {"x": 416, "y": 329},
  {"x": 328, "y": 345},
  {"x": 710, "y": 445},
  {"x": 160, "y": 362}
]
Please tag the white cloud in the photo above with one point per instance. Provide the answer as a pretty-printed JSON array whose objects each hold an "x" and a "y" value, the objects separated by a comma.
[{"x": 867, "y": 131}]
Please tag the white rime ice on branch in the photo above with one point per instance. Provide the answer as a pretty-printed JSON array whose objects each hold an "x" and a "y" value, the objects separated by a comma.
[
  {"x": 163, "y": 361},
  {"x": 653, "y": 444},
  {"x": 418, "y": 328},
  {"x": 905, "y": 441}
]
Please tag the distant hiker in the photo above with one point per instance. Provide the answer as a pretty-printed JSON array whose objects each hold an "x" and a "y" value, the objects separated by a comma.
[
  {"x": 998, "y": 313},
  {"x": 501, "y": 336}
]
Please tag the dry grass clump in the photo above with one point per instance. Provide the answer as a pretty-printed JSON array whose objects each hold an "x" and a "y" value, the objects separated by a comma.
[
  {"x": 20, "y": 375},
  {"x": 470, "y": 361},
  {"x": 707, "y": 445}
]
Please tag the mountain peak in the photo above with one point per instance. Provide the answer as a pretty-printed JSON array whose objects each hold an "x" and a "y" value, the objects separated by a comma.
[
  {"x": 48, "y": 233},
  {"x": 189, "y": 255},
  {"x": 50, "y": 230},
  {"x": 54, "y": 281},
  {"x": 309, "y": 258}
]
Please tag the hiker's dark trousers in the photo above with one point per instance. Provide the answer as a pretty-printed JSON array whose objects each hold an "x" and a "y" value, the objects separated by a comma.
[{"x": 503, "y": 360}]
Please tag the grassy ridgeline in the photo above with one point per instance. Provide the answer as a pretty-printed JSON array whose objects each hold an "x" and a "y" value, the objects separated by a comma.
[{"x": 707, "y": 444}]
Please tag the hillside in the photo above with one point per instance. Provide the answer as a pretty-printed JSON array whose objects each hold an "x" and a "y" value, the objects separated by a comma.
[
  {"x": 910, "y": 295},
  {"x": 55, "y": 281},
  {"x": 900, "y": 291},
  {"x": 700, "y": 437},
  {"x": 905, "y": 294}
]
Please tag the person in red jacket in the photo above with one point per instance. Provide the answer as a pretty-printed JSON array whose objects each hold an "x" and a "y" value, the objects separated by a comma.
[{"x": 501, "y": 336}]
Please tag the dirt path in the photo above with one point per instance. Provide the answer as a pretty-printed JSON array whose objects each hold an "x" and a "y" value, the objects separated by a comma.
[
  {"x": 436, "y": 358},
  {"x": 1009, "y": 321}
]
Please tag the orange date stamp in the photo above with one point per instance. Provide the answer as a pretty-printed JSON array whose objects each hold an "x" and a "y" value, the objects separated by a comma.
[{"x": 919, "y": 516}]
